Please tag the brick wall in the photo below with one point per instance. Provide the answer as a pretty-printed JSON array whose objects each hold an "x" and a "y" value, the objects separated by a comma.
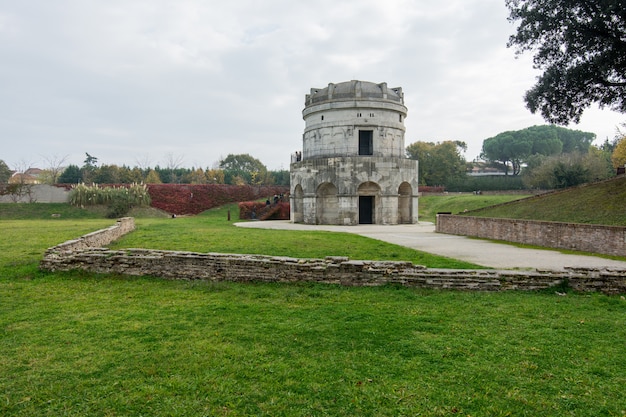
[
  {"x": 87, "y": 254},
  {"x": 609, "y": 240}
]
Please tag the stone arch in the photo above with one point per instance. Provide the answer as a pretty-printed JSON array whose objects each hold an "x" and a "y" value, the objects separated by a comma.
[
  {"x": 405, "y": 215},
  {"x": 369, "y": 203},
  {"x": 298, "y": 204},
  {"x": 327, "y": 204}
]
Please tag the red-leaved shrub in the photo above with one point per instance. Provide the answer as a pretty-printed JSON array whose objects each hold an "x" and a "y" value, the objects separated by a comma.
[
  {"x": 431, "y": 189},
  {"x": 182, "y": 199},
  {"x": 254, "y": 210}
]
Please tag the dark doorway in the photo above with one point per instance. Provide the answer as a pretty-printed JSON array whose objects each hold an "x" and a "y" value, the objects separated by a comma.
[
  {"x": 366, "y": 209},
  {"x": 366, "y": 142}
]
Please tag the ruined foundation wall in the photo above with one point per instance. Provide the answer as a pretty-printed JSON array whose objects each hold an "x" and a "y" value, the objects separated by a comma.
[
  {"x": 78, "y": 254},
  {"x": 97, "y": 239}
]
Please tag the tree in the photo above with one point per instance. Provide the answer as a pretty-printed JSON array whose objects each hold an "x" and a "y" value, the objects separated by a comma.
[
  {"x": 574, "y": 140},
  {"x": 580, "y": 45},
  {"x": 281, "y": 177},
  {"x": 215, "y": 176},
  {"x": 516, "y": 147},
  {"x": 90, "y": 161},
  {"x": 71, "y": 175},
  {"x": 55, "y": 167},
  {"x": 244, "y": 166},
  {"x": 153, "y": 177},
  {"x": 506, "y": 148},
  {"x": 172, "y": 166},
  {"x": 439, "y": 163},
  {"x": 5, "y": 172},
  {"x": 130, "y": 176},
  {"x": 144, "y": 162},
  {"x": 198, "y": 176},
  {"x": 20, "y": 186},
  {"x": 106, "y": 174},
  {"x": 618, "y": 157},
  {"x": 566, "y": 170},
  {"x": 89, "y": 168}
]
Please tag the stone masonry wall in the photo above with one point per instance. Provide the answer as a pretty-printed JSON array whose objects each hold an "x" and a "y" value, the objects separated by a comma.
[
  {"x": 96, "y": 239},
  {"x": 40, "y": 193},
  {"x": 85, "y": 254},
  {"x": 609, "y": 240}
]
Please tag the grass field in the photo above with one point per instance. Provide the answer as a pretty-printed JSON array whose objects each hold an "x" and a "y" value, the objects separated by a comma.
[
  {"x": 212, "y": 232},
  {"x": 75, "y": 344}
]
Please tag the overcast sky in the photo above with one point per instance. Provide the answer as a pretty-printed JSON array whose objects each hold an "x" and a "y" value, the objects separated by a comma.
[{"x": 144, "y": 82}]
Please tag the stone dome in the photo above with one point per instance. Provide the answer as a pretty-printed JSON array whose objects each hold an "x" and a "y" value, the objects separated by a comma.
[{"x": 355, "y": 90}]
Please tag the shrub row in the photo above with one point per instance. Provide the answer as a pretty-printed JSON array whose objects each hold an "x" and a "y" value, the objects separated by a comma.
[
  {"x": 254, "y": 210},
  {"x": 182, "y": 199},
  {"x": 431, "y": 189},
  {"x": 486, "y": 183},
  {"x": 87, "y": 195},
  {"x": 119, "y": 199}
]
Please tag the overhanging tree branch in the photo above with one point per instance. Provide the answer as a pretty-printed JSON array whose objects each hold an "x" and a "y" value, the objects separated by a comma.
[{"x": 581, "y": 47}]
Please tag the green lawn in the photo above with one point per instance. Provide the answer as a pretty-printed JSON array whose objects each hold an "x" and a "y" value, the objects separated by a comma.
[
  {"x": 212, "y": 232},
  {"x": 75, "y": 344}
]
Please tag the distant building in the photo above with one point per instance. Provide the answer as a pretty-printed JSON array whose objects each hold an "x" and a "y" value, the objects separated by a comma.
[
  {"x": 35, "y": 172},
  {"x": 23, "y": 178},
  {"x": 481, "y": 169},
  {"x": 352, "y": 168}
]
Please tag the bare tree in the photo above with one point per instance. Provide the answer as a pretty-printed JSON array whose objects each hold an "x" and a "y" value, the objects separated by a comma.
[
  {"x": 55, "y": 166},
  {"x": 173, "y": 161},
  {"x": 144, "y": 162},
  {"x": 20, "y": 188}
]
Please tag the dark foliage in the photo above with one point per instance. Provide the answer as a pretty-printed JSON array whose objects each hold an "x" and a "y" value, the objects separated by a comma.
[
  {"x": 487, "y": 183},
  {"x": 71, "y": 175},
  {"x": 580, "y": 45}
]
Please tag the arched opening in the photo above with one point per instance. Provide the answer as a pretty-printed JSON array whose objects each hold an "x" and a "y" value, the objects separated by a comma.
[
  {"x": 327, "y": 205},
  {"x": 298, "y": 204},
  {"x": 369, "y": 202},
  {"x": 404, "y": 203}
]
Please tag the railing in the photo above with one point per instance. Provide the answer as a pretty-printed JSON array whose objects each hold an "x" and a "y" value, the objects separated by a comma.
[{"x": 340, "y": 151}]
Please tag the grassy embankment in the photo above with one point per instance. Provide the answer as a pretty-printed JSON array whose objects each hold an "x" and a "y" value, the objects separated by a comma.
[
  {"x": 453, "y": 203},
  {"x": 77, "y": 344},
  {"x": 598, "y": 203}
]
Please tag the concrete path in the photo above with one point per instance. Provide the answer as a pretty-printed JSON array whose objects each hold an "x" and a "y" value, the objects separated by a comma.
[{"x": 422, "y": 237}]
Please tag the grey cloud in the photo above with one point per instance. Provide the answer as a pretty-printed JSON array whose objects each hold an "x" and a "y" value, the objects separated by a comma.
[{"x": 124, "y": 78}]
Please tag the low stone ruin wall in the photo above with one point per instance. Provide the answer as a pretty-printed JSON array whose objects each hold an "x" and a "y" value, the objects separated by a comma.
[
  {"x": 332, "y": 270},
  {"x": 87, "y": 253},
  {"x": 608, "y": 240},
  {"x": 97, "y": 239}
]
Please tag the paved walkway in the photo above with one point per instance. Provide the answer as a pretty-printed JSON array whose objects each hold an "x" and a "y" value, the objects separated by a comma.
[{"x": 422, "y": 237}]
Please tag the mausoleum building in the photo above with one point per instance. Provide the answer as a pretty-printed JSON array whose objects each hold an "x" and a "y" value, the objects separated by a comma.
[{"x": 352, "y": 168}]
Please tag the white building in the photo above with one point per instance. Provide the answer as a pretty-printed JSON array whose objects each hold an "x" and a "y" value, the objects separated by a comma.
[{"x": 352, "y": 168}]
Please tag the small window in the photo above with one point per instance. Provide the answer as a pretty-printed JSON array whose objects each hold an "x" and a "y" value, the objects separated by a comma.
[
  {"x": 358, "y": 115},
  {"x": 366, "y": 142},
  {"x": 400, "y": 118},
  {"x": 322, "y": 117}
]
